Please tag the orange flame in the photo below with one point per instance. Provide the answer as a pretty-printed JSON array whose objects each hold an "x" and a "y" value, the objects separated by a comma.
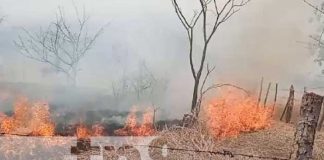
[
  {"x": 7, "y": 125},
  {"x": 28, "y": 119},
  {"x": 82, "y": 132},
  {"x": 132, "y": 128},
  {"x": 98, "y": 130},
  {"x": 233, "y": 113}
]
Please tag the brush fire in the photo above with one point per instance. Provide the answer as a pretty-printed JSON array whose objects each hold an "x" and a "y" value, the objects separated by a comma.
[
  {"x": 232, "y": 113},
  {"x": 156, "y": 85},
  {"x": 28, "y": 119},
  {"x": 34, "y": 119}
]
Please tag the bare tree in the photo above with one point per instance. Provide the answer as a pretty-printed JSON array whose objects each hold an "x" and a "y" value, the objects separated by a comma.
[
  {"x": 317, "y": 39},
  {"x": 143, "y": 81},
  {"x": 212, "y": 14},
  {"x": 60, "y": 45},
  {"x": 139, "y": 83}
]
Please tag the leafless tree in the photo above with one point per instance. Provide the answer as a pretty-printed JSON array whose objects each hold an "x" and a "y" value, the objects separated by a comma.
[
  {"x": 60, "y": 45},
  {"x": 317, "y": 39},
  {"x": 139, "y": 83},
  {"x": 142, "y": 83},
  {"x": 212, "y": 14}
]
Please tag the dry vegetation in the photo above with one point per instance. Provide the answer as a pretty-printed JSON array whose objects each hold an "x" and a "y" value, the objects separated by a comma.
[{"x": 275, "y": 141}]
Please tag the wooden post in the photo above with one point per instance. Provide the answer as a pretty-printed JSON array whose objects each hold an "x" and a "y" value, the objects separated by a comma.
[
  {"x": 320, "y": 123},
  {"x": 289, "y": 106},
  {"x": 306, "y": 128},
  {"x": 267, "y": 94},
  {"x": 275, "y": 99},
  {"x": 154, "y": 116},
  {"x": 260, "y": 93}
]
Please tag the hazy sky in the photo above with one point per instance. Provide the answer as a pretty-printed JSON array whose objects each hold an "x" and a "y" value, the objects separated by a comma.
[{"x": 263, "y": 39}]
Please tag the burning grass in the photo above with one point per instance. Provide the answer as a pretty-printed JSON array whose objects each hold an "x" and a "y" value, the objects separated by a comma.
[
  {"x": 131, "y": 127},
  {"x": 34, "y": 119},
  {"x": 223, "y": 122},
  {"x": 233, "y": 113},
  {"x": 83, "y": 132},
  {"x": 28, "y": 119}
]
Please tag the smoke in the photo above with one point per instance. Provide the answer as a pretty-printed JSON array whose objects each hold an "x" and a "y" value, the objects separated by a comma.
[{"x": 262, "y": 40}]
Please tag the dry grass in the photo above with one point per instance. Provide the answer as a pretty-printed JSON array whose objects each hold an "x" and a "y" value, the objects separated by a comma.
[{"x": 276, "y": 141}]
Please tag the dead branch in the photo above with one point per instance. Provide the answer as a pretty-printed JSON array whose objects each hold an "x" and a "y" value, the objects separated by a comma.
[{"x": 314, "y": 6}]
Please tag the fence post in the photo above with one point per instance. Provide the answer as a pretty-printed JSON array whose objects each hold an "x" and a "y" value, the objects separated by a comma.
[
  {"x": 260, "y": 93},
  {"x": 306, "y": 128},
  {"x": 267, "y": 94},
  {"x": 275, "y": 98},
  {"x": 321, "y": 120},
  {"x": 289, "y": 106}
]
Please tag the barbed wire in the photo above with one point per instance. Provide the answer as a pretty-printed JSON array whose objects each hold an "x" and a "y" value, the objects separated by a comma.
[{"x": 222, "y": 153}]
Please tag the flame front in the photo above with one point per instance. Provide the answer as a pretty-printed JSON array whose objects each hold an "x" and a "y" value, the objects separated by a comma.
[
  {"x": 132, "y": 128},
  {"x": 233, "y": 113},
  {"x": 28, "y": 119},
  {"x": 98, "y": 130},
  {"x": 82, "y": 131}
]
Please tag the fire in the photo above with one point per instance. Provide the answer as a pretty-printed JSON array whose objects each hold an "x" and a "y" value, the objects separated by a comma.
[
  {"x": 28, "y": 119},
  {"x": 34, "y": 119},
  {"x": 7, "y": 125},
  {"x": 96, "y": 130},
  {"x": 147, "y": 127},
  {"x": 131, "y": 121},
  {"x": 233, "y": 113},
  {"x": 82, "y": 132},
  {"x": 40, "y": 122},
  {"x": 131, "y": 127}
]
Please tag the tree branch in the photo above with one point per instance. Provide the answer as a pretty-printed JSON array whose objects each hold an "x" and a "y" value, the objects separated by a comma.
[{"x": 314, "y": 7}]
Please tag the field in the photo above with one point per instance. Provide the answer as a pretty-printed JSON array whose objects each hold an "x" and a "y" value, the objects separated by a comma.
[{"x": 274, "y": 142}]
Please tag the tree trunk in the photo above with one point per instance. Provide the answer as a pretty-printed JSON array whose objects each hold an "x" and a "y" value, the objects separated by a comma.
[
  {"x": 74, "y": 76},
  {"x": 194, "y": 98},
  {"x": 306, "y": 128}
]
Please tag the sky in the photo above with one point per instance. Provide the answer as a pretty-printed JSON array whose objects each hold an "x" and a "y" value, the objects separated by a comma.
[{"x": 264, "y": 39}]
